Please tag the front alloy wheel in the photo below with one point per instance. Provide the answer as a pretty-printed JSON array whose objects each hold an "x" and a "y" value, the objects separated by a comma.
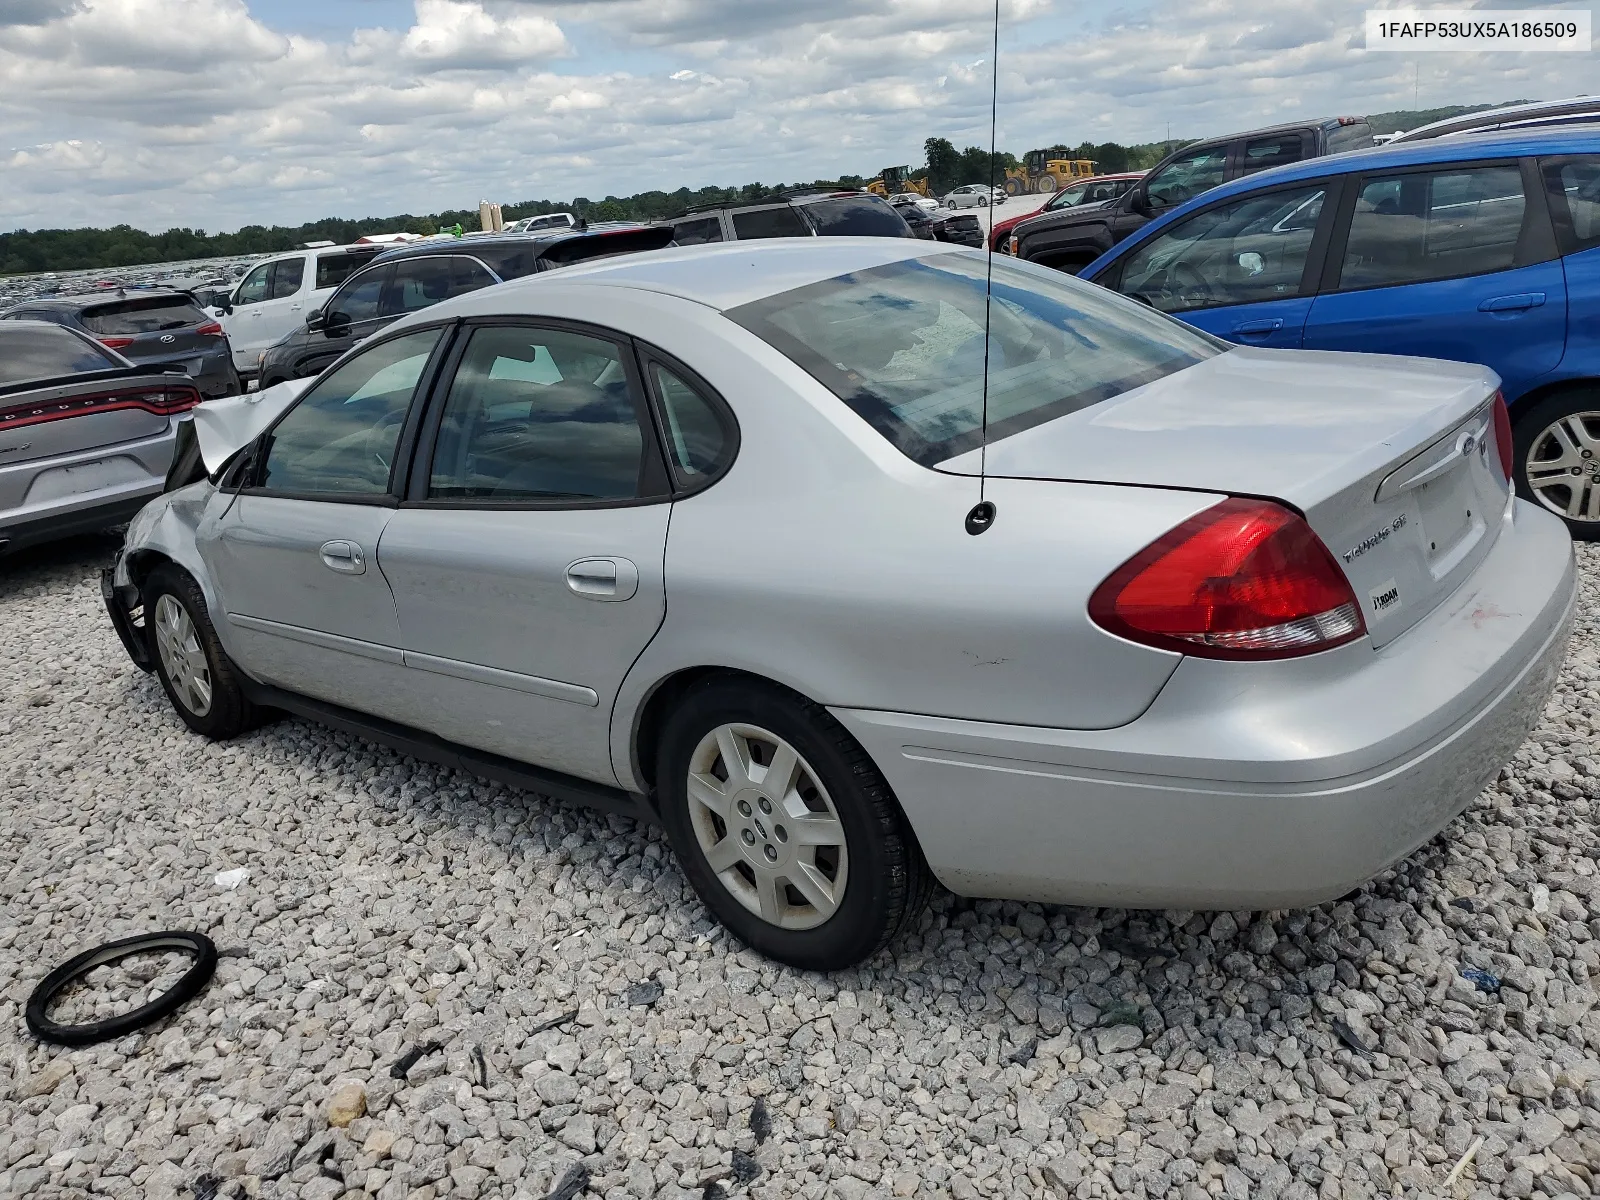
[
  {"x": 767, "y": 826},
  {"x": 182, "y": 656},
  {"x": 1562, "y": 466}
]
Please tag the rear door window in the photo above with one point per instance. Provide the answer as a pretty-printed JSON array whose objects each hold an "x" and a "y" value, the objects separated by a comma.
[
  {"x": 1434, "y": 225},
  {"x": 853, "y": 216},
  {"x": 1357, "y": 135},
  {"x": 129, "y": 318},
  {"x": 334, "y": 269},
  {"x": 540, "y": 416},
  {"x": 1261, "y": 154},
  {"x": 31, "y": 352},
  {"x": 781, "y": 221},
  {"x": 286, "y": 277},
  {"x": 423, "y": 282},
  {"x": 699, "y": 231},
  {"x": 1574, "y": 188}
]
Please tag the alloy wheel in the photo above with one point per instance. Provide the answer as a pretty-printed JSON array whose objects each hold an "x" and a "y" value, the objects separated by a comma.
[
  {"x": 767, "y": 827},
  {"x": 178, "y": 643},
  {"x": 1563, "y": 466}
]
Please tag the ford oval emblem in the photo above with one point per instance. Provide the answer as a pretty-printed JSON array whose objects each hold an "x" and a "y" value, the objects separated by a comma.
[{"x": 167, "y": 339}]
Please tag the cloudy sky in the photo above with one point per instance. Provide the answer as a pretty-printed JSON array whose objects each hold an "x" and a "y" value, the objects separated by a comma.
[{"x": 218, "y": 113}]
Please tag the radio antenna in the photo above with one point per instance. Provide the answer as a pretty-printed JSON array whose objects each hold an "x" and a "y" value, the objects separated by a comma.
[{"x": 983, "y": 516}]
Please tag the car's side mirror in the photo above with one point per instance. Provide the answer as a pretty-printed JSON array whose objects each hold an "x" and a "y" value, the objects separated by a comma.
[
  {"x": 1139, "y": 201},
  {"x": 226, "y": 306},
  {"x": 314, "y": 321},
  {"x": 335, "y": 325}
]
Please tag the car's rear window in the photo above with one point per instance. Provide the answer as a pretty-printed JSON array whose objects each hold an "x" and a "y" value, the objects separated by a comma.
[
  {"x": 147, "y": 314},
  {"x": 851, "y": 216},
  {"x": 903, "y": 345},
  {"x": 769, "y": 223},
  {"x": 47, "y": 352}
]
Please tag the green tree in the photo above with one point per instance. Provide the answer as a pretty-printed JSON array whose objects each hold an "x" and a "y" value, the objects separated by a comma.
[{"x": 944, "y": 164}]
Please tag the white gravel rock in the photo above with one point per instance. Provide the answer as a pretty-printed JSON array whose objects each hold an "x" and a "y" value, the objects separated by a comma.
[{"x": 1003, "y": 1050}]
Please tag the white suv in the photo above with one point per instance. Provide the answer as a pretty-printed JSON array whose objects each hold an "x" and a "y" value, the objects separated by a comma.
[{"x": 276, "y": 296}]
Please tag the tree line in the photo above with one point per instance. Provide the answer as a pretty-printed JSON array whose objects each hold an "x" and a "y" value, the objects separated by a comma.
[{"x": 32, "y": 251}]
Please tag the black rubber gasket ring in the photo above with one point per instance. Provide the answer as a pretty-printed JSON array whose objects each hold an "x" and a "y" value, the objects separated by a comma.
[{"x": 186, "y": 989}]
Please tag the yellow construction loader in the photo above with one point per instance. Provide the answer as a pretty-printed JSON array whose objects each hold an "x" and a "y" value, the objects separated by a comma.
[
  {"x": 1046, "y": 171},
  {"x": 892, "y": 181}
]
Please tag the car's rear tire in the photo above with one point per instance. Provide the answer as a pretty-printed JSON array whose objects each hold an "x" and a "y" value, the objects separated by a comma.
[
  {"x": 190, "y": 662},
  {"x": 820, "y": 870},
  {"x": 1557, "y": 458}
]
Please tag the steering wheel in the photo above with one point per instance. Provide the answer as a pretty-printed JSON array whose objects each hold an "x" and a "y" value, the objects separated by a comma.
[{"x": 1184, "y": 281}]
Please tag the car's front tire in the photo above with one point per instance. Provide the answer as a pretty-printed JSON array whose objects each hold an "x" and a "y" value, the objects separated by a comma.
[
  {"x": 1557, "y": 458},
  {"x": 193, "y": 668},
  {"x": 784, "y": 827}
]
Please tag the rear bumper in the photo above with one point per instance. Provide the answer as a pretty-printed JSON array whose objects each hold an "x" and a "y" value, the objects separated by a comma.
[
  {"x": 1249, "y": 786},
  {"x": 57, "y": 505}
]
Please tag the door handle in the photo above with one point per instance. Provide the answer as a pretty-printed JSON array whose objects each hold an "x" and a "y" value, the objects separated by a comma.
[
  {"x": 604, "y": 579},
  {"x": 1517, "y": 303},
  {"x": 344, "y": 557},
  {"x": 1258, "y": 328}
]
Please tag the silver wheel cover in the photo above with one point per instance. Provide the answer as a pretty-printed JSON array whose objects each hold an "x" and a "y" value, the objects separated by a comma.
[
  {"x": 767, "y": 827},
  {"x": 1563, "y": 466},
  {"x": 184, "y": 659}
]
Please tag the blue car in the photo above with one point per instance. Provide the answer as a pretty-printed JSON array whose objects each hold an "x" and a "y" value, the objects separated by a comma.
[{"x": 1482, "y": 248}]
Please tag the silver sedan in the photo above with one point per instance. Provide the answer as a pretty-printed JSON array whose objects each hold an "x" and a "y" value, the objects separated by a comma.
[{"x": 746, "y": 539}]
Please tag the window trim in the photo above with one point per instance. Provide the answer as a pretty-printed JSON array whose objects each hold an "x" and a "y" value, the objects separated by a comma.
[
  {"x": 1310, "y": 274},
  {"x": 650, "y": 355},
  {"x": 403, "y": 445},
  {"x": 655, "y": 472},
  {"x": 1561, "y": 214},
  {"x": 1535, "y": 222}
]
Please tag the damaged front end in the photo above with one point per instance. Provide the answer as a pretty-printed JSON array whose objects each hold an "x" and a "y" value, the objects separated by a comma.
[{"x": 126, "y": 607}]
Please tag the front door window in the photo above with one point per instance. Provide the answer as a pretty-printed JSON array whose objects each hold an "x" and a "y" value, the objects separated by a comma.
[{"x": 1187, "y": 176}]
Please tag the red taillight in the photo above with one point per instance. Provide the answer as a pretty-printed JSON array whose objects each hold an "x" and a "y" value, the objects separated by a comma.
[
  {"x": 116, "y": 343},
  {"x": 164, "y": 401},
  {"x": 209, "y": 329},
  {"x": 1502, "y": 434},
  {"x": 1244, "y": 579}
]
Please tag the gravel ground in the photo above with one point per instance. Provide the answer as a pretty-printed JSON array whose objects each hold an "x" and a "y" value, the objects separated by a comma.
[{"x": 564, "y": 1004}]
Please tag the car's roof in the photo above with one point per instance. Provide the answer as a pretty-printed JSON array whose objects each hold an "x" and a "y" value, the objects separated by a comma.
[
  {"x": 1268, "y": 130},
  {"x": 724, "y": 275},
  {"x": 82, "y": 300},
  {"x": 469, "y": 245},
  {"x": 1491, "y": 144},
  {"x": 1568, "y": 111}
]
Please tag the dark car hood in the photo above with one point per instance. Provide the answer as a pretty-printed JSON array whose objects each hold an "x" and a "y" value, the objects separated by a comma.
[{"x": 1063, "y": 217}]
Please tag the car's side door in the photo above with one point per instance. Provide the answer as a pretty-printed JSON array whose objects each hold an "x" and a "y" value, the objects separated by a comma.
[
  {"x": 351, "y": 315},
  {"x": 1244, "y": 269},
  {"x": 1451, "y": 261},
  {"x": 293, "y": 554},
  {"x": 1572, "y": 186},
  {"x": 247, "y": 299},
  {"x": 527, "y": 559}
]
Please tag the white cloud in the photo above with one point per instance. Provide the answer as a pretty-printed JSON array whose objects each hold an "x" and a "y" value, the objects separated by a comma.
[
  {"x": 199, "y": 112},
  {"x": 459, "y": 33}
]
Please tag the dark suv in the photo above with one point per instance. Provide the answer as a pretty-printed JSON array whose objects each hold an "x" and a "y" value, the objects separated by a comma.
[
  {"x": 408, "y": 278},
  {"x": 148, "y": 327},
  {"x": 803, "y": 214},
  {"x": 1073, "y": 238}
]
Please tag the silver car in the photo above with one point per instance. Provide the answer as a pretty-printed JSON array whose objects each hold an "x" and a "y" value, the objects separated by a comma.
[
  {"x": 742, "y": 539},
  {"x": 86, "y": 437}
]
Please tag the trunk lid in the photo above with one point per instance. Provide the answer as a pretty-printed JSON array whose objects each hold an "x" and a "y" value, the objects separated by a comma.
[
  {"x": 1389, "y": 459},
  {"x": 54, "y": 417}
]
